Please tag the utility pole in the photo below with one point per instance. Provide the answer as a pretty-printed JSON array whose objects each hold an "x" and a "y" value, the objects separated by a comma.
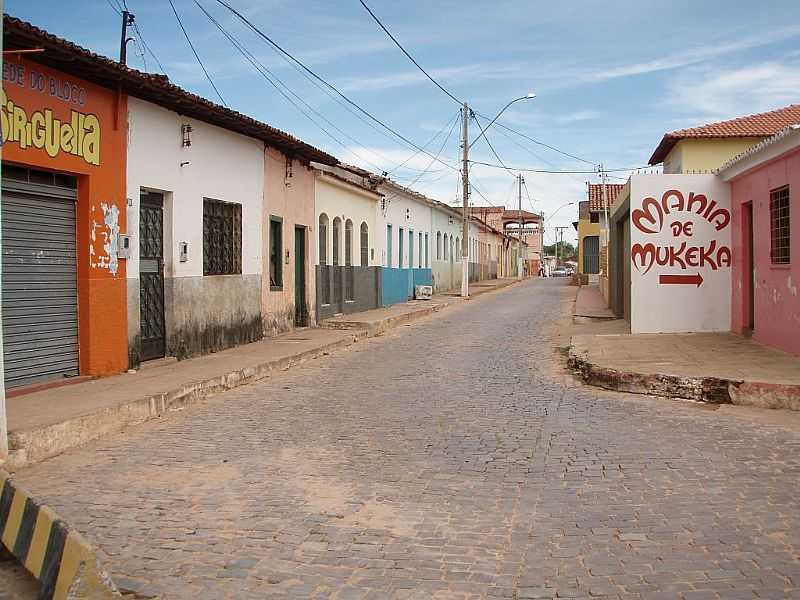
[
  {"x": 605, "y": 230},
  {"x": 127, "y": 20},
  {"x": 559, "y": 232},
  {"x": 465, "y": 195},
  {"x": 519, "y": 215}
]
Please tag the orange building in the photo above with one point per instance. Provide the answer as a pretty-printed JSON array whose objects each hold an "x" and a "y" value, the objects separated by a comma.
[{"x": 63, "y": 216}]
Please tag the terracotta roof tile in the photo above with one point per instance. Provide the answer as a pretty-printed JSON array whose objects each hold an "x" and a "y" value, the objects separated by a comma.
[
  {"x": 759, "y": 125},
  {"x": 596, "y": 195}
]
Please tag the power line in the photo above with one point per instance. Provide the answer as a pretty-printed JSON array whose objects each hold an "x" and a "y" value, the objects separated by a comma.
[
  {"x": 280, "y": 86},
  {"x": 426, "y": 144},
  {"x": 486, "y": 138},
  {"x": 278, "y": 48},
  {"x": 404, "y": 51},
  {"x": 115, "y": 7},
  {"x": 147, "y": 48},
  {"x": 535, "y": 141},
  {"x": 528, "y": 170},
  {"x": 191, "y": 45},
  {"x": 441, "y": 148}
]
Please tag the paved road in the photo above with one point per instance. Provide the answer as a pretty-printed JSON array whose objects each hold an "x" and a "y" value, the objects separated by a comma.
[{"x": 446, "y": 460}]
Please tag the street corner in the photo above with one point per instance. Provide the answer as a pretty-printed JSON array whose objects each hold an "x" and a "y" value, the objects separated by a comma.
[{"x": 63, "y": 563}]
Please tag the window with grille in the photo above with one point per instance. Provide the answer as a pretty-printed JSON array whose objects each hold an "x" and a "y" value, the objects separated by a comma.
[
  {"x": 275, "y": 253},
  {"x": 348, "y": 243},
  {"x": 222, "y": 237},
  {"x": 323, "y": 239},
  {"x": 594, "y": 217},
  {"x": 779, "y": 226}
]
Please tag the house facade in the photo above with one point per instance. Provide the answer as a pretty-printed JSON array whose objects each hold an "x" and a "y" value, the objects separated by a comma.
[
  {"x": 348, "y": 275},
  {"x": 765, "y": 204},
  {"x": 64, "y": 211},
  {"x": 445, "y": 248},
  {"x": 705, "y": 148},
  {"x": 195, "y": 269},
  {"x": 404, "y": 217}
]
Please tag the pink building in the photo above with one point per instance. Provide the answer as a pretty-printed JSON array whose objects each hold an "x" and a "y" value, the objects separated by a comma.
[{"x": 765, "y": 198}]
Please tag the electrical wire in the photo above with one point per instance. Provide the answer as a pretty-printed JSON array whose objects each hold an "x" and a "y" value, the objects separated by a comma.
[
  {"x": 441, "y": 148},
  {"x": 281, "y": 50},
  {"x": 115, "y": 7},
  {"x": 528, "y": 170},
  {"x": 197, "y": 56},
  {"x": 147, "y": 47},
  {"x": 535, "y": 141},
  {"x": 404, "y": 51},
  {"x": 489, "y": 143},
  {"x": 425, "y": 145}
]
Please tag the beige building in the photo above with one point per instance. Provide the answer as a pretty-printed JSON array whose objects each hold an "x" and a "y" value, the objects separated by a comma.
[{"x": 708, "y": 147}]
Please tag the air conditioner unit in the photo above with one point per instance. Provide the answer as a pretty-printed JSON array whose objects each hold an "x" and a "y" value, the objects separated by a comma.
[{"x": 423, "y": 292}]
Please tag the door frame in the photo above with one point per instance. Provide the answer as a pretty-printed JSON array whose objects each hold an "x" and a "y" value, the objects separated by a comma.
[
  {"x": 146, "y": 197},
  {"x": 301, "y": 311}
]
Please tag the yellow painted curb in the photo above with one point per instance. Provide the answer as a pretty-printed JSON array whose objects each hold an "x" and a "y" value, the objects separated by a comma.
[{"x": 63, "y": 562}]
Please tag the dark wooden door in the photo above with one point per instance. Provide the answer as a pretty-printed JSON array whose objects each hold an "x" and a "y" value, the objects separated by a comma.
[
  {"x": 151, "y": 275},
  {"x": 300, "y": 303}
]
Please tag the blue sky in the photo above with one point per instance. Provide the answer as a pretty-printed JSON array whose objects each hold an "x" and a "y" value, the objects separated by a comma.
[{"x": 611, "y": 77}]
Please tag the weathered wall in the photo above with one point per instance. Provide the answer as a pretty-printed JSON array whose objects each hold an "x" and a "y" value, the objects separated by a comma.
[
  {"x": 96, "y": 154},
  {"x": 776, "y": 297},
  {"x": 218, "y": 164},
  {"x": 229, "y": 315},
  {"x": 288, "y": 194},
  {"x": 446, "y": 276},
  {"x": 366, "y": 285}
]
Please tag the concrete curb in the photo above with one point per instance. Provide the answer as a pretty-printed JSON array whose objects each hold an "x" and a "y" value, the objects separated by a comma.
[
  {"x": 35, "y": 445},
  {"x": 373, "y": 329},
  {"x": 712, "y": 390},
  {"x": 62, "y": 561}
]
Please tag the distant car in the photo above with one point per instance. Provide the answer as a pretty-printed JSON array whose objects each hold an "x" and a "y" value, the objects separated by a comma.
[
  {"x": 559, "y": 272},
  {"x": 570, "y": 270}
]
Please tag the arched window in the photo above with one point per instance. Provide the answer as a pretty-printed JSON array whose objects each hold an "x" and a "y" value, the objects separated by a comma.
[
  {"x": 458, "y": 248},
  {"x": 445, "y": 246},
  {"x": 323, "y": 239},
  {"x": 364, "y": 245},
  {"x": 438, "y": 245},
  {"x": 337, "y": 242},
  {"x": 348, "y": 243},
  {"x": 452, "y": 248}
]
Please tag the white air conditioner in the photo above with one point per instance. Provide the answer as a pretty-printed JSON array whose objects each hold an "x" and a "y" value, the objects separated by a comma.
[{"x": 423, "y": 292}]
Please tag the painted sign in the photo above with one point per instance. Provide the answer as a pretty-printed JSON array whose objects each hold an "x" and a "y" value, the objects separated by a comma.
[{"x": 680, "y": 253}]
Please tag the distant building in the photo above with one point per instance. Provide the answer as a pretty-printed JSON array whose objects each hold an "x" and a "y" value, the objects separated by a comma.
[{"x": 707, "y": 147}]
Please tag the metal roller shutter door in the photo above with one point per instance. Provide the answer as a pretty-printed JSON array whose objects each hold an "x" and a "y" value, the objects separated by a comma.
[{"x": 40, "y": 292}]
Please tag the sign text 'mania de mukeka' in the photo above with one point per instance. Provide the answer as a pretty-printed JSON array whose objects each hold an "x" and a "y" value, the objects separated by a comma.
[{"x": 679, "y": 213}]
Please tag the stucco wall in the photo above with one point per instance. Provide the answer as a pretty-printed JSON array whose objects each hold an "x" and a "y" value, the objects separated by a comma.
[
  {"x": 585, "y": 229},
  {"x": 288, "y": 194},
  {"x": 401, "y": 211},
  {"x": 776, "y": 296},
  {"x": 219, "y": 164},
  {"x": 705, "y": 154},
  {"x": 335, "y": 198},
  {"x": 366, "y": 290}
]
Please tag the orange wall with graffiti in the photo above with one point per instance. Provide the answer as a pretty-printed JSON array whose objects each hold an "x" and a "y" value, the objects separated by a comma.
[{"x": 54, "y": 121}]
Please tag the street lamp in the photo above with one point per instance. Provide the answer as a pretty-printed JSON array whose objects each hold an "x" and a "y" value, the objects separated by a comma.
[{"x": 465, "y": 144}]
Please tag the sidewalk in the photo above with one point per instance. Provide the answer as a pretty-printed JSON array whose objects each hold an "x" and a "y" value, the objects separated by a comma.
[
  {"x": 48, "y": 422},
  {"x": 590, "y": 303},
  {"x": 716, "y": 368}
]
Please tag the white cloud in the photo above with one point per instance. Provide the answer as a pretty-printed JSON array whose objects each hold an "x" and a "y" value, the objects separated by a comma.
[
  {"x": 747, "y": 90},
  {"x": 472, "y": 72}
]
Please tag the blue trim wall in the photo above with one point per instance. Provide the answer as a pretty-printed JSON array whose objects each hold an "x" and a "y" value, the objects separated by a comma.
[{"x": 397, "y": 285}]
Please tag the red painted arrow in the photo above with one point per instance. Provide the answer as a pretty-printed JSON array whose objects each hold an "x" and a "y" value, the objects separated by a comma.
[{"x": 695, "y": 279}]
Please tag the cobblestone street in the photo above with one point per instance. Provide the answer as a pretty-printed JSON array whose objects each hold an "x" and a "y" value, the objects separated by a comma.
[{"x": 449, "y": 459}]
